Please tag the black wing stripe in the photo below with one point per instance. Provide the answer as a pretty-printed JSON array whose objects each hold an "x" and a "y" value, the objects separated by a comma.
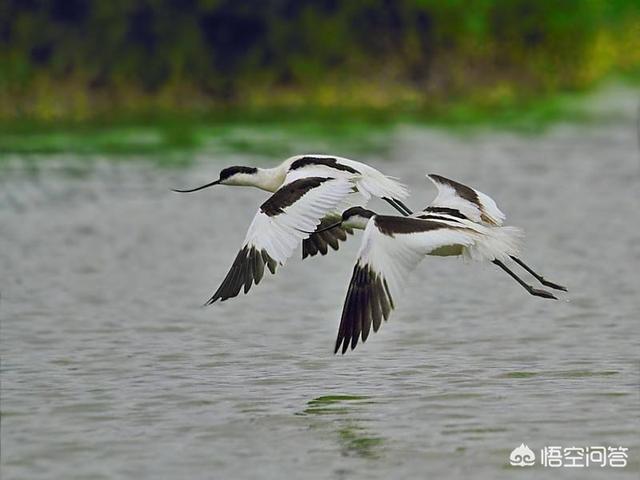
[
  {"x": 326, "y": 161},
  {"x": 368, "y": 301},
  {"x": 467, "y": 193},
  {"x": 247, "y": 268},
  {"x": 289, "y": 194},
  {"x": 449, "y": 211}
]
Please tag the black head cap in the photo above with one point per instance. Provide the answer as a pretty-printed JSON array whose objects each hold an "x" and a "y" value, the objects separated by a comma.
[
  {"x": 230, "y": 171},
  {"x": 353, "y": 211}
]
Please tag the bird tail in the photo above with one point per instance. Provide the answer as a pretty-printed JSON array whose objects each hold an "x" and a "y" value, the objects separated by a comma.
[
  {"x": 380, "y": 185},
  {"x": 496, "y": 243}
]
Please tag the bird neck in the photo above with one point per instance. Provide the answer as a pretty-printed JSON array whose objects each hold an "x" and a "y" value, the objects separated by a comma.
[
  {"x": 270, "y": 179},
  {"x": 357, "y": 222}
]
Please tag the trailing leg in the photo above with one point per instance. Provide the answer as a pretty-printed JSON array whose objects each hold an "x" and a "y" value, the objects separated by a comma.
[
  {"x": 533, "y": 291},
  {"x": 402, "y": 205},
  {"x": 537, "y": 276},
  {"x": 394, "y": 203}
]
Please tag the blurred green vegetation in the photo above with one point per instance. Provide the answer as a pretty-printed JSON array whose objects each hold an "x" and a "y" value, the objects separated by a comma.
[
  {"x": 79, "y": 60},
  {"x": 273, "y": 133}
]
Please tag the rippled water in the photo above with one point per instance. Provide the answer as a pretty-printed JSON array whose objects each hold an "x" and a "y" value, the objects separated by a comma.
[{"x": 111, "y": 369}]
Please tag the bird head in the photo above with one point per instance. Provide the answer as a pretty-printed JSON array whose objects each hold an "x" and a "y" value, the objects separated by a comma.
[
  {"x": 236, "y": 175},
  {"x": 356, "y": 217}
]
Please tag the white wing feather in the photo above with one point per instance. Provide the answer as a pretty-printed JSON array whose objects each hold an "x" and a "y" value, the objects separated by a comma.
[
  {"x": 279, "y": 235},
  {"x": 486, "y": 211},
  {"x": 383, "y": 266},
  {"x": 394, "y": 258},
  {"x": 369, "y": 181},
  {"x": 271, "y": 239}
]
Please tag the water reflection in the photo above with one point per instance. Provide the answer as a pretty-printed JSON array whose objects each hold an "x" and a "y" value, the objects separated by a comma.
[{"x": 345, "y": 412}]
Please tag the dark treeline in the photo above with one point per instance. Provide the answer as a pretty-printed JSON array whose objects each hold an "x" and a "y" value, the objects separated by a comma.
[{"x": 70, "y": 57}]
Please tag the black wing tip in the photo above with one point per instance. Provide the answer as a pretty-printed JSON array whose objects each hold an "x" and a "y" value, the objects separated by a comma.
[
  {"x": 247, "y": 269},
  {"x": 343, "y": 343},
  {"x": 367, "y": 303},
  {"x": 319, "y": 243},
  {"x": 211, "y": 301}
]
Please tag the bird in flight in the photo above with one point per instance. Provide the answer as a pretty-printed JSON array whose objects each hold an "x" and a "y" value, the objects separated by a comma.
[
  {"x": 367, "y": 182},
  {"x": 309, "y": 192},
  {"x": 461, "y": 221}
]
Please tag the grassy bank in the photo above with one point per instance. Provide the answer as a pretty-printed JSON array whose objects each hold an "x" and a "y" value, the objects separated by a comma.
[{"x": 281, "y": 131}]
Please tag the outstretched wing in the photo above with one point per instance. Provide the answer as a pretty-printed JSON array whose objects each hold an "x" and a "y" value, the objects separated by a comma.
[
  {"x": 473, "y": 204},
  {"x": 278, "y": 227},
  {"x": 320, "y": 242},
  {"x": 391, "y": 248}
]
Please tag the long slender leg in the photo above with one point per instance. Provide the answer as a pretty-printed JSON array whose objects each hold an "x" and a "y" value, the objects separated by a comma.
[
  {"x": 407, "y": 209},
  {"x": 393, "y": 203},
  {"x": 533, "y": 291},
  {"x": 537, "y": 276},
  {"x": 402, "y": 206}
]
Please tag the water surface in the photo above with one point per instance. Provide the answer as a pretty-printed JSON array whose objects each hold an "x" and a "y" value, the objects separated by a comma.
[{"x": 111, "y": 369}]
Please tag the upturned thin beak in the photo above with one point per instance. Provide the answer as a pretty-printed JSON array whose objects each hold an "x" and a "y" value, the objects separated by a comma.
[
  {"x": 324, "y": 229},
  {"x": 197, "y": 188}
]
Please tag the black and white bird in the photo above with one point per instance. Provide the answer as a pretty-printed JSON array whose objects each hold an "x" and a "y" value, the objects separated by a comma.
[
  {"x": 310, "y": 191},
  {"x": 367, "y": 182},
  {"x": 461, "y": 221}
]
